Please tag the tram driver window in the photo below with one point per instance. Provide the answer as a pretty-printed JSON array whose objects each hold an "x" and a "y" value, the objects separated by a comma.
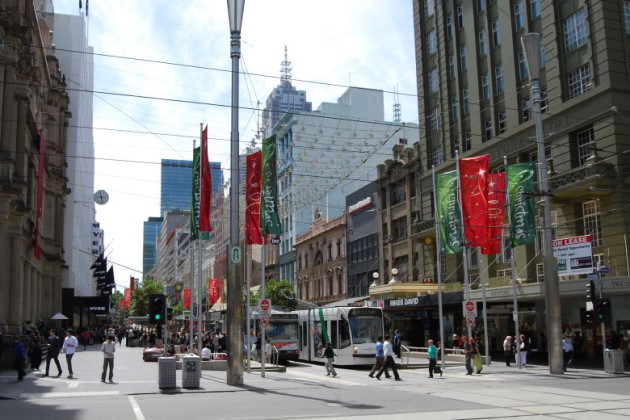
[{"x": 344, "y": 333}]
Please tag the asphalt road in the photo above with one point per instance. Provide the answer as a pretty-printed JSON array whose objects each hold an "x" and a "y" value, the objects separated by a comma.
[{"x": 304, "y": 391}]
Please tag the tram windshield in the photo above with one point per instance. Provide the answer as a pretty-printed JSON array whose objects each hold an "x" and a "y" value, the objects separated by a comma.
[{"x": 366, "y": 325}]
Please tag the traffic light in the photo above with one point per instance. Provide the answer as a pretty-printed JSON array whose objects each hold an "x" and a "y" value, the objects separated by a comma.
[
  {"x": 590, "y": 291},
  {"x": 590, "y": 316},
  {"x": 157, "y": 308},
  {"x": 602, "y": 311}
]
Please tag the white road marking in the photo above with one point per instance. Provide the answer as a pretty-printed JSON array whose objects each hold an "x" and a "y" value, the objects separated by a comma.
[
  {"x": 136, "y": 408},
  {"x": 68, "y": 394}
]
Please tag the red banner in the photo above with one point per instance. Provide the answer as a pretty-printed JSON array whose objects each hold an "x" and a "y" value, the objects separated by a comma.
[
  {"x": 496, "y": 210},
  {"x": 206, "y": 186},
  {"x": 40, "y": 194},
  {"x": 253, "y": 234},
  {"x": 213, "y": 291},
  {"x": 474, "y": 198},
  {"x": 187, "y": 298},
  {"x": 126, "y": 301}
]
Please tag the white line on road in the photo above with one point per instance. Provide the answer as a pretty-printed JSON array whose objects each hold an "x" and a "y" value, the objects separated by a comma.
[
  {"x": 68, "y": 394},
  {"x": 136, "y": 408}
]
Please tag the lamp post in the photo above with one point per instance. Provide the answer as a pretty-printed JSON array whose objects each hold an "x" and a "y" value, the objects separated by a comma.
[
  {"x": 531, "y": 48},
  {"x": 235, "y": 283}
]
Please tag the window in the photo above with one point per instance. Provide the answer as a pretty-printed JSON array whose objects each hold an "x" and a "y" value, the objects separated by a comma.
[
  {"x": 574, "y": 30},
  {"x": 473, "y": 258},
  {"x": 504, "y": 273},
  {"x": 449, "y": 26},
  {"x": 398, "y": 192},
  {"x": 496, "y": 33},
  {"x": 465, "y": 101},
  {"x": 485, "y": 87},
  {"x": 481, "y": 6},
  {"x": 534, "y": 8},
  {"x": 522, "y": 65},
  {"x": 591, "y": 214},
  {"x": 579, "y": 81},
  {"x": 455, "y": 145},
  {"x": 626, "y": 15},
  {"x": 467, "y": 141},
  {"x": 399, "y": 228},
  {"x": 460, "y": 16},
  {"x": 583, "y": 141},
  {"x": 451, "y": 66},
  {"x": 483, "y": 47},
  {"x": 435, "y": 120},
  {"x": 540, "y": 273},
  {"x": 502, "y": 117},
  {"x": 454, "y": 108},
  {"x": 544, "y": 100},
  {"x": 431, "y": 42},
  {"x": 498, "y": 74},
  {"x": 462, "y": 58},
  {"x": 437, "y": 156},
  {"x": 506, "y": 253},
  {"x": 487, "y": 132},
  {"x": 429, "y": 7},
  {"x": 526, "y": 108},
  {"x": 519, "y": 16},
  {"x": 434, "y": 80}
]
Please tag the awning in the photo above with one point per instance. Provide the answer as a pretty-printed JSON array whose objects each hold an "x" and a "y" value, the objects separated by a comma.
[{"x": 346, "y": 302}]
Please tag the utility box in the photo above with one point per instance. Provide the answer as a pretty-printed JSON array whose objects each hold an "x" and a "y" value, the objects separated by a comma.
[
  {"x": 167, "y": 372},
  {"x": 613, "y": 361},
  {"x": 191, "y": 371}
]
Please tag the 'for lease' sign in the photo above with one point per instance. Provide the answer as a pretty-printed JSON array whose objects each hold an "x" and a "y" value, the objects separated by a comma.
[{"x": 574, "y": 255}]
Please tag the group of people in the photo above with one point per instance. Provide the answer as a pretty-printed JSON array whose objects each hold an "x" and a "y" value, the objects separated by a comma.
[
  {"x": 385, "y": 359},
  {"x": 516, "y": 350},
  {"x": 53, "y": 346}
]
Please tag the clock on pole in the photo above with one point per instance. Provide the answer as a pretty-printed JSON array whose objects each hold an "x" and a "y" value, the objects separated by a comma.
[{"x": 101, "y": 197}]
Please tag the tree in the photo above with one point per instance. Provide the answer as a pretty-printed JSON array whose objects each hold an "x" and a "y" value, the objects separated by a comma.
[
  {"x": 140, "y": 296},
  {"x": 280, "y": 292}
]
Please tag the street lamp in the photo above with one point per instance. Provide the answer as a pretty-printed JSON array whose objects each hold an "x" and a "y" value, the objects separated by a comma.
[
  {"x": 375, "y": 276},
  {"x": 235, "y": 297},
  {"x": 531, "y": 48},
  {"x": 394, "y": 279}
]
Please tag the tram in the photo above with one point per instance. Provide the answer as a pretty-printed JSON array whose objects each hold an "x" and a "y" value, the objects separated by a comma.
[{"x": 352, "y": 332}]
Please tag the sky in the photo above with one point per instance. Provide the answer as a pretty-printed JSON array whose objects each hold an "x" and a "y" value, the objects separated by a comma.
[{"x": 162, "y": 68}]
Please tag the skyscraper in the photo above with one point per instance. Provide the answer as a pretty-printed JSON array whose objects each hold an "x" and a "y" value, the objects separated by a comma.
[{"x": 151, "y": 231}]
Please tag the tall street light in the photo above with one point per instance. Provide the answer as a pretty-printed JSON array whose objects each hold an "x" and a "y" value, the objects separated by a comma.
[
  {"x": 235, "y": 283},
  {"x": 531, "y": 48}
]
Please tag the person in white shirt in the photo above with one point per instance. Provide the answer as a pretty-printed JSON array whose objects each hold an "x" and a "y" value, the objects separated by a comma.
[
  {"x": 206, "y": 352},
  {"x": 388, "y": 351},
  {"x": 108, "y": 348},
  {"x": 70, "y": 344}
]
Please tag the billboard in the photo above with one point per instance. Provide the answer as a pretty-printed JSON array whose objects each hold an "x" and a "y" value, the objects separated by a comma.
[{"x": 574, "y": 255}]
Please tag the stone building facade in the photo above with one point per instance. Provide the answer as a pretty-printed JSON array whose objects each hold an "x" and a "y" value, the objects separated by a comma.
[{"x": 33, "y": 111}]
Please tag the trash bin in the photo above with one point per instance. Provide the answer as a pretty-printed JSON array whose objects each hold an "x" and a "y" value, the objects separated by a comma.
[
  {"x": 613, "y": 361},
  {"x": 191, "y": 371},
  {"x": 167, "y": 372}
]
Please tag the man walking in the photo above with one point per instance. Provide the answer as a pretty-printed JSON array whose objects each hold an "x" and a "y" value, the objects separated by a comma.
[
  {"x": 397, "y": 343},
  {"x": 389, "y": 359},
  {"x": 380, "y": 358},
  {"x": 70, "y": 343},
  {"x": 19, "y": 358},
  {"x": 108, "y": 348},
  {"x": 433, "y": 367},
  {"x": 53, "y": 352},
  {"x": 329, "y": 355},
  {"x": 469, "y": 352}
]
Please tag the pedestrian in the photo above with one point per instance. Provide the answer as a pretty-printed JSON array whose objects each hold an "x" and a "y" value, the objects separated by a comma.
[
  {"x": 397, "y": 342},
  {"x": 85, "y": 336},
  {"x": 108, "y": 348},
  {"x": 389, "y": 359},
  {"x": 567, "y": 351},
  {"x": 523, "y": 346},
  {"x": 508, "y": 350},
  {"x": 70, "y": 345},
  {"x": 206, "y": 352},
  {"x": 380, "y": 359},
  {"x": 54, "y": 346},
  {"x": 35, "y": 352},
  {"x": 19, "y": 358},
  {"x": 329, "y": 355},
  {"x": 268, "y": 350},
  {"x": 469, "y": 353},
  {"x": 433, "y": 367}
]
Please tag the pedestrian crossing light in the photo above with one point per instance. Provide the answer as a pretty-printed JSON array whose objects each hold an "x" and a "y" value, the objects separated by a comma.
[
  {"x": 157, "y": 308},
  {"x": 590, "y": 291}
]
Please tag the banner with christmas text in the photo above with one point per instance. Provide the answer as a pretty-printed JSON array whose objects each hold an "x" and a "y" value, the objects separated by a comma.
[
  {"x": 449, "y": 220},
  {"x": 522, "y": 189}
]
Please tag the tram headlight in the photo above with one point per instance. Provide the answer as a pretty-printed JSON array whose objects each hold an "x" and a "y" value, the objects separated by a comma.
[{"x": 355, "y": 350}]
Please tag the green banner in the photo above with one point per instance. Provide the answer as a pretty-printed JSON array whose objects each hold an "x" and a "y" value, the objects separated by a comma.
[
  {"x": 449, "y": 218},
  {"x": 269, "y": 218},
  {"x": 522, "y": 189},
  {"x": 195, "y": 201}
]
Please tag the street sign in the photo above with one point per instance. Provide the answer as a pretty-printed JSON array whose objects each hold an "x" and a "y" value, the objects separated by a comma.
[
  {"x": 592, "y": 276},
  {"x": 470, "y": 308},
  {"x": 264, "y": 321},
  {"x": 264, "y": 305},
  {"x": 235, "y": 254},
  {"x": 275, "y": 240},
  {"x": 604, "y": 269},
  {"x": 470, "y": 322}
]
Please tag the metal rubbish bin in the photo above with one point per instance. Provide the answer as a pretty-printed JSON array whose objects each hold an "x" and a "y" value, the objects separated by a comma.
[
  {"x": 167, "y": 372},
  {"x": 191, "y": 371},
  {"x": 613, "y": 361}
]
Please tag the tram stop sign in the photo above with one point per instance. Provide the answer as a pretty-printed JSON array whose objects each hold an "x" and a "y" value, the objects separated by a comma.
[
  {"x": 264, "y": 321},
  {"x": 265, "y": 307},
  {"x": 470, "y": 308},
  {"x": 470, "y": 322}
]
